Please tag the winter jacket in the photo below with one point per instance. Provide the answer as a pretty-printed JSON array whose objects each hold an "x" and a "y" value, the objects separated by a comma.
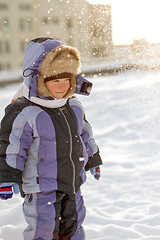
[{"x": 46, "y": 149}]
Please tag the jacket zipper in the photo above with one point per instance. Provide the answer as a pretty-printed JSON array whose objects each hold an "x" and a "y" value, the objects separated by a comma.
[{"x": 70, "y": 153}]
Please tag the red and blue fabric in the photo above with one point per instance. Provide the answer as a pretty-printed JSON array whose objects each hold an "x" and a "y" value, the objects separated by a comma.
[
  {"x": 95, "y": 171},
  {"x": 7, "y": 189}
]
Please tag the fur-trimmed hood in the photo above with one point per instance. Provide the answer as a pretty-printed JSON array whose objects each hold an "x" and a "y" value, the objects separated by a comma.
[
  {"x": 62, "y": 59},
  {"x": 45, "y": 57}
]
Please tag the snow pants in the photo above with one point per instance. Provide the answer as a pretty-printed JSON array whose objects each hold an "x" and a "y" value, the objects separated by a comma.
[{"x": 54, "y": 216}]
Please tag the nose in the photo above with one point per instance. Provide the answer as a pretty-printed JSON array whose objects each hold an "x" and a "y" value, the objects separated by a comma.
[{"x": 61, "y": 85}]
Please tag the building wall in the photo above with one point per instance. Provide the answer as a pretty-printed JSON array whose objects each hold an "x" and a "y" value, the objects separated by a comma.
[
  {"x": 70, "y": 21},
  {"x": 16, "y": 22},
  {"x": 100, "y": 30}
]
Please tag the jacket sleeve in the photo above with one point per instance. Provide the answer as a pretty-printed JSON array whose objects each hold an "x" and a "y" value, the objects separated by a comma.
[
  {"x": 9, "y": 174},
  {"x": 94, "y": 158},
  {"x": 15, "y": 139}
]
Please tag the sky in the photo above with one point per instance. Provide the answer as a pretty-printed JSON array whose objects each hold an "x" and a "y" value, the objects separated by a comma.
[{"x": 134, "y": 19}]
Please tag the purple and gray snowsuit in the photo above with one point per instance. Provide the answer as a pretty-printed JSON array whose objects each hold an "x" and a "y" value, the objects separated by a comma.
[{"x": 47, "y": 149}]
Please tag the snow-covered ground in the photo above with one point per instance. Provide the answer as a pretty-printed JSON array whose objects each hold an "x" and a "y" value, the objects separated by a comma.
[{"x": 124, "y": 110}]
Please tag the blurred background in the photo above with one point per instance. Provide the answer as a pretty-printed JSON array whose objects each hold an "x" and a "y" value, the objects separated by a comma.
[
  {"x": 109, "y": 34},
  {"x": 76, "y": 22}
]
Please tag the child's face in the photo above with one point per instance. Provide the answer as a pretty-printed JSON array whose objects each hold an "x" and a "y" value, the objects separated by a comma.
[{"x": 58, "y": 87}]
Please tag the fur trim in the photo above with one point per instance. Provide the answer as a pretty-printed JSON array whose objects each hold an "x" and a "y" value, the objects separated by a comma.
[
  {"x": 42, "y": 90},
  {"x": 61, "y": 59}
]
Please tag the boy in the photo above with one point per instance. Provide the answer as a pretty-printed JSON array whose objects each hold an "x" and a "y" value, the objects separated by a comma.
[{"x": 46, "y": 143}]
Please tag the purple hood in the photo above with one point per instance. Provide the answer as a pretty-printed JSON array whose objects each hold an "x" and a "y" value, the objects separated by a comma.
[{"x": 34, "y": 55}]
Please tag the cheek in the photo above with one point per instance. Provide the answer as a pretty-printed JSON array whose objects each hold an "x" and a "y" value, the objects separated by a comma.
[{"x": 51, "y": 87}]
